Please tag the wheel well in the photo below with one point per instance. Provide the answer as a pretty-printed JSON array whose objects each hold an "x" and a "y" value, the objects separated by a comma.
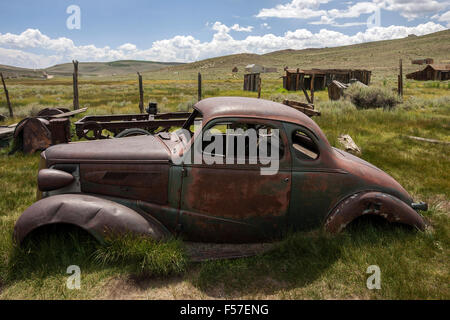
[
  {"x": 372, "y": 203},
  {"x": 374, "y": 221},
  {"x": 59, "y": 231}
]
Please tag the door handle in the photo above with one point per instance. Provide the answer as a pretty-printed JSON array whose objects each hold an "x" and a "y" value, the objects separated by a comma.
[{"x": 286, "y": 180}]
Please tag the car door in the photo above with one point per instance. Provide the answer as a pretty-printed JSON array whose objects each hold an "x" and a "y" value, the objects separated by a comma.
[
  {"x": 230, "y": 201},
  {"x": 317, "y": 184}
]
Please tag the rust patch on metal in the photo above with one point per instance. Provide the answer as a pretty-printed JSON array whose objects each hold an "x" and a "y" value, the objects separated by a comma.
[
  {"x": 376, "y": 203},
  {"x": 238, "y": 194},
  {"x": 139, "y": 182}
]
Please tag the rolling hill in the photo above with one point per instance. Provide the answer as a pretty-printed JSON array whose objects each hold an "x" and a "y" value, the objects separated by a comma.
[
  {"x": 104, "y": 69},
  {"x": 121, "y": 67}
]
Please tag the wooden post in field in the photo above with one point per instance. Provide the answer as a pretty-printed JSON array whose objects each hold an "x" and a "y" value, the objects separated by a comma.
[
  {"x": 199, "y": 88},
  {"x": 400, "y": 79},
  {"x": 259, "y": 88},
  {"x": 297, "y": 80},
  {"x": 141, "y": 94},
  {"x": 7, "y": 97},
  {"x": 76, "y": 104},
  {"x": 312, "y": 88}
]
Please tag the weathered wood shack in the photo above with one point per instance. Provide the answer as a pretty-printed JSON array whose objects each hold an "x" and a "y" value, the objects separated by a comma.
[
  {"x": 251, "y": 81},
  {"x": 256, "y": 68},
  {"x": 322, "y": 77},
  {"x": 423, "y": 61},
  {"x": 438, "y": 72}
]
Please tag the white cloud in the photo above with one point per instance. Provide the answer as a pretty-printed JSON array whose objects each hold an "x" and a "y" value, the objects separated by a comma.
[
  {"x": 265, "y": 25},
  {"x": 187, "y": 48},
  {"x": 412, "y": 9},
  {"x": 238, "y": 28},
  {"x": 303, "y": 9},
  {"x": 445, "y": 17},
  {"x": 14, "y": 57},
  {"x": 127, "y": 47},
  {"x": 308, "y": 9},
  {"x": 324, "y": 20}
]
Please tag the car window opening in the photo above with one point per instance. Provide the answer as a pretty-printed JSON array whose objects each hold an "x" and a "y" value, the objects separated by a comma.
[
  {"x": 304, "y": 146},
  {"x": 251, "y": 144}
]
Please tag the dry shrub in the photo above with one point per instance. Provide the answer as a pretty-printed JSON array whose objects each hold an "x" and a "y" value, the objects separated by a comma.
[{"x": 371, "y": 97}]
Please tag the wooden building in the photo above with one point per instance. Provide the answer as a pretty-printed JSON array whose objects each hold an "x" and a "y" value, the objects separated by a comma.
[
  {"x": 251, "y": 82},
  {"x": 322, "y": 77},
  {"x": 256, "y": 68},
  {"x": 423, "y": 61},
  {"x": 438, "y": 72}
]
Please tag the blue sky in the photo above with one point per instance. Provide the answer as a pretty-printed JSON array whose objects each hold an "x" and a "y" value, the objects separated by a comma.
[{"x": 35, "y": 33}]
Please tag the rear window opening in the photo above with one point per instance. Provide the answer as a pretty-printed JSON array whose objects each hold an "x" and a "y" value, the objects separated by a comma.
[{"x": 305, "y": 148}]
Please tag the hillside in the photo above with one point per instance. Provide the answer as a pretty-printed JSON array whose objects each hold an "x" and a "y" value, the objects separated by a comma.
[
  {"x": 382, "y": 57},
  {"x": 103, "y": 69},
  {"x": 121, "y": 67},
  {"x": 16, "y": 72}
]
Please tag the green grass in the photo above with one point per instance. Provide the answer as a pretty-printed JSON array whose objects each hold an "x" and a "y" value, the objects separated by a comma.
[
  {"x": 320, "y": 266},
  {"x": 414, "y": 265}
]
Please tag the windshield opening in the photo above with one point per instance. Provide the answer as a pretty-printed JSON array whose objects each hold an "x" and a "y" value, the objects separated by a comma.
[{"x": 190, "y": 121}]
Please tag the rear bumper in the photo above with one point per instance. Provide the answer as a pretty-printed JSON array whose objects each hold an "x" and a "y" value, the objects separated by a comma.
[{"x": 422, "y": 206}]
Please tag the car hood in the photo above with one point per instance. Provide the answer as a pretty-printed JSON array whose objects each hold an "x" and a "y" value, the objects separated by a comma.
[
  {"x": 372, "y": 175},
  {"x": 129, "y": 149}
]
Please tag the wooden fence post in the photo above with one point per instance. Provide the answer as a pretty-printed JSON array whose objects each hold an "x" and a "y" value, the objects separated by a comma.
[
  {"x": 400, "y": 79},
  {"x": 7, "y": 97},
  {"x": 199, "y": 86},
  {"x": 76, "y": 104},
  {"x": 141, "y": 94},
  {"x": 312, "y": 88},
  {"x": 259, "y": 88}
]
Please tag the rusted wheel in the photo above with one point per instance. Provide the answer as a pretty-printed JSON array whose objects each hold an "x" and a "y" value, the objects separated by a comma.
[
  {"x": 132, "y": 132},
  {"x": 95, "y": 128},
  {"x": 48, "y": 112}
]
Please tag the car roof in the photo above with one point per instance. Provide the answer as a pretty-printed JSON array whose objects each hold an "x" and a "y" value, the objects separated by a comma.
[{"x": 219, "y": 107}]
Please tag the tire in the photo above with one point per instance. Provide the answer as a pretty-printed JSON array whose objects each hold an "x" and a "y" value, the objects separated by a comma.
[{"x": 132, "y": 132}]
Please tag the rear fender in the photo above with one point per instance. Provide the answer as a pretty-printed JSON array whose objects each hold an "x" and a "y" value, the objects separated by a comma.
[
  {"x": 99, "y": 217},
  {"x": 375, "y": 203}
]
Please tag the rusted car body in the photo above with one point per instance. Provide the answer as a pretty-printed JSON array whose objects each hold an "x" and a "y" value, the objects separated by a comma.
[{"x": 147, "y": 185}]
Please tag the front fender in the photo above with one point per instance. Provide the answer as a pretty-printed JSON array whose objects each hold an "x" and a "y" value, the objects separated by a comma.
[
  {"x": 377, "y": 203},
  {"x": 97, "y": 216}
]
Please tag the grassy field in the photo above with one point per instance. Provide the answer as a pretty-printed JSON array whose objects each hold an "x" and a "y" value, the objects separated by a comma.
[{"x": 414, "y": 265}]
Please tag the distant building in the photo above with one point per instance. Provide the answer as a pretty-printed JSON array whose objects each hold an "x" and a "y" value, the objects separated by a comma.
[
  {"x": 47, "y": 76},
  {"x": 438, "y": 72},
  {"x": 423, "y": 61},
  {"x": 235, "y": 69},
  {"x": 256, "y": 68},
  {"x": 322, "y": 77}
]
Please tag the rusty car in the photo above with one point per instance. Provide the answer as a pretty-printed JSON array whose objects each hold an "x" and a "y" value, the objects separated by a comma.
[{"x": 148, "y": 185}]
